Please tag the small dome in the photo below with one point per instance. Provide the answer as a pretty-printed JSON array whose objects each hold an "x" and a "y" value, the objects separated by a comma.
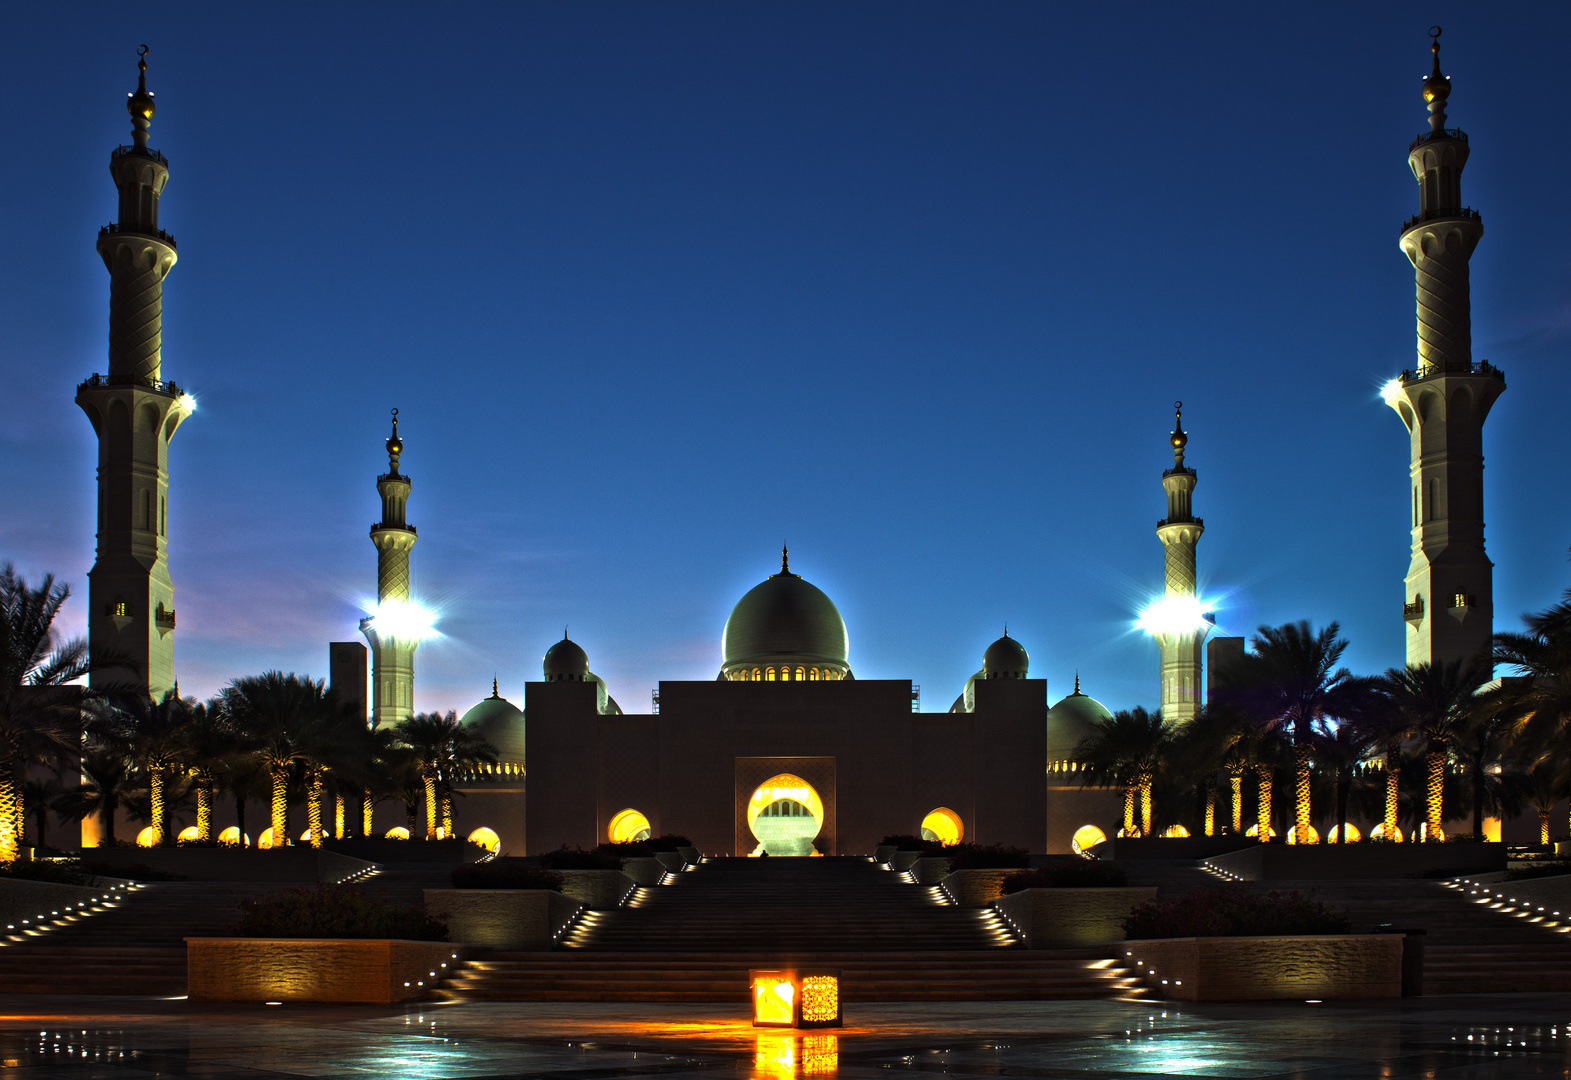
[
  {"x": 1070, "y": 721},
  {"x": 566, "y": 662},
  {"x": 500, "y": 723},
  {"x": 785, "y": 619},
  {"x": 1006, "y": 658}
]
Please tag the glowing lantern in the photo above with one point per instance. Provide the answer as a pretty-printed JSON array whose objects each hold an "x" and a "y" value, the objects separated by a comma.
[{"x": 796, "y": 999}]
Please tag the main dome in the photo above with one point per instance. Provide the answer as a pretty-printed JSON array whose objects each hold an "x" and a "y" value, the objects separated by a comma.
[{"x": 785, "y": 628}]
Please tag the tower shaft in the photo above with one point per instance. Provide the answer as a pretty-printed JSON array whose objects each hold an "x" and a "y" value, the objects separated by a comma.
[
  {"x": 1448, "y": 601},
  {"x": 1183, "y": 633},
  {"x": 391, "y": 632},
  {"x": 135, "y": 414}
]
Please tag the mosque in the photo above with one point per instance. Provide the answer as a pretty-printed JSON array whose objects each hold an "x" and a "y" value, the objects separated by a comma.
[{"x": 785, "y": 751}]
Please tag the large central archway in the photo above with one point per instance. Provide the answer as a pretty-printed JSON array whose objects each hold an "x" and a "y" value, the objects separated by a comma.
[{"x": 784, "y": 814}]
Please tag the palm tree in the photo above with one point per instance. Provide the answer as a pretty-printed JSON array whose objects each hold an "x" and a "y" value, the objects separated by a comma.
[
  {"x": 1538, "y": 703},
  {"x": 287, "y": 720},
  {"x": 153, "y": 735},
  {"x": 1127, "y": 749},
  {"x": 441, "y": 747},
  {"x": 39, "y": 797},
  {"x": 1290, "y": 683},
  {"x": 1438, "y": 703},
  {"x": 1480, "y": 749},
  {"x": 106, "y": 785},
  {"x": 41, "y": 707},
  {"x": 1543, "y": 786},
  {"x": 1342, "y": 752},
  {"x": 1205, "y": 746},
  {"x": 209, "y": 746}
]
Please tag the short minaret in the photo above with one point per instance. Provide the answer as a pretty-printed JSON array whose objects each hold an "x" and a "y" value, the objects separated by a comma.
[
  {"x": 1182, "y": 631},
  {"x": 134, "y": 412},
  {"x": 392, "y": 632},
  {"x": 1448, "y": 601}
]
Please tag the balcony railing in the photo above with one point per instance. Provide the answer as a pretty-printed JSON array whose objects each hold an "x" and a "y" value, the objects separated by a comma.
[
  {"x": 1432, "y": 136},
  {"x": 380, "y": 526},
  {"x": 113, "y": 229},
  {"x": 1467, "y": 213},
  {"x": 124, "y": 151},
  {"x": 161, "y": 386},
  {"x": 1477, "y": 367}
]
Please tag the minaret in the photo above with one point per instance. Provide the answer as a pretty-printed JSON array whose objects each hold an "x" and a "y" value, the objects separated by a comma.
[
  {"x": 392, "y": 631},
  {"x": 1183, "y": 629},
  {"x": 135, "y": 413},
  {"x": 1447, "y": 601}
]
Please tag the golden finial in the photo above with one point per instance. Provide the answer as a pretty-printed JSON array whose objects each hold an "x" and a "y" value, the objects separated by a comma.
[
  {"x": 1437, "y": 87},
  {"x": 1076, "y": 692},
  {"x": 1178, "y": 439},
  {"x": 140, "y": 104},
  {"x": 395, "y": 446},
  {"x": 785, "y": 562},
  {"x": 494, "y": 691}
]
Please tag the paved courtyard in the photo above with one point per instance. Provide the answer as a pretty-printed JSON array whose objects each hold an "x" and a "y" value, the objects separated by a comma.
[{"x": 1456, "y": 1036}]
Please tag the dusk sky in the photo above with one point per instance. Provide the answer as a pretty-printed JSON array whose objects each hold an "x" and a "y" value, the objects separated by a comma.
[{"x": 658, "y": 286}]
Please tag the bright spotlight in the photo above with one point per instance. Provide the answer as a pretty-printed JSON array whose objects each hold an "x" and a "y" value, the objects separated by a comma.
[
  {"x": 1176, "y": 615},
  {"x": 1391, "y": 390},
  {"x": 189, "y": 402},
  {"x": 401, "y": 619}
]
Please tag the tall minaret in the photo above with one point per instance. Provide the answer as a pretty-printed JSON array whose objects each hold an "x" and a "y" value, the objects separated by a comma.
[
  {"x": 135, "y": 413},
  {"x": 392, "y": 631},
  {"x": 1183, "y": 629},
  {"x": 1448, "y": 601}
]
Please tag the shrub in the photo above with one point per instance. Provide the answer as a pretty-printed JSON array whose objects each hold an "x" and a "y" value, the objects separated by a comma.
[
  {"x": 1069, "y": 874},
  {"x": 335, "y": 911},
  {"x": 1538, "y": 870},
  {"x": 913, "y": 843},
  {"x": 668, "y": 842},
  {"x": 985, "y": 857},
  {"x": 634, "y": 849},
  {"x": 1233, "y": 911},
  {"x": 576, "y": 858},
  {"x": 505, "y": 874},
  {"x": 57, "y": 873}
]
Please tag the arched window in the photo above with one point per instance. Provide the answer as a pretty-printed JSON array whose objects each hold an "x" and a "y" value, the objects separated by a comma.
[
  {"x": 1086, "y": 837},
  {"x": 757, "y": 675},
  {"x": 943, "y": 825},
  {"x": 801, "y": 674},
  {"x": 769, "y": 674},
  {"x": 627, "y": 826},
  {"x": 812, "y": 674}
]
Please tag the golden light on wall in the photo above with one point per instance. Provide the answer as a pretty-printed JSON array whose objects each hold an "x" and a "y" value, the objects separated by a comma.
[
  {"x": 1379, "y": 833},
  {"x": 397, "y": 832},
  {"x": 265, "y": 841},
  {"x": 1176, "y": 832},
  {"x": 486, "y": 838},
  {"x": 232, "y": 835},
  {"x": 147, "y": 837},
  {"x": 1311, "y": 837},
  {"x": 796, "y": 999},
  {"x": 1348, "y": 834},
  {"x": 190, "y": 832}
]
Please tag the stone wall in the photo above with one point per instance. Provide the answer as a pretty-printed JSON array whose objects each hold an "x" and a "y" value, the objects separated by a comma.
[
  {"x": 520, "y": 919},
  {"x": 374, "y": 971},
  {"x": 597, "y": 890},
  {"x": 33, "y": 901},
  {"x": 1071, "y": 918},
  {"x": 1325, "y": 967},
  {"x": 302, "y": 864},
  {"x": 975, "y": 888},
  {"x": 1290, "y": 862}
]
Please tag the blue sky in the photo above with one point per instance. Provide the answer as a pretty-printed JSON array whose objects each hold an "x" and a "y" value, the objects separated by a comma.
[{"x": 657, "y": 286}]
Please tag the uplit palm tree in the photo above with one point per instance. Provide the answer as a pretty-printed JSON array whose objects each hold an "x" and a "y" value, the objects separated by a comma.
[
  {"x": 1438, "y": 703},
  {"x": 1126, "y": 750},
  {"x": 1543, "y": 786},
  {"x": 209, "y": 748},
  {"x": 1480, "y": 749},
  {"x": 106, "y": 785},
  {"x": 1537, "y": 704},
  {"x": 1290, "y": 683},
  {"x": 442, "y": 747},
  {"x": 1342, "y": 752},
  {"x": 153, "y": 735},
  {"x": 41, "y": 704},
  {"x": 287, "y": 721},
  {"x": 1203, "y": 747}
]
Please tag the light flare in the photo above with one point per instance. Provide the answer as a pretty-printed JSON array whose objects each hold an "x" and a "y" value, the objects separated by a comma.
[
  {"x": 1391, "y": 391},
  {"x": 401, "y": 619},
  {"x": 1176, "y": 615},
  {"x": 188, "y": 402}
]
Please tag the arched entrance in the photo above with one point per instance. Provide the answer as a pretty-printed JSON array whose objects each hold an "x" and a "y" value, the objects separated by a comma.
[
  {"x": 785, "y": 813},
  {"x": 943, "y": 825},
  {"x": 628, "y": 826}
]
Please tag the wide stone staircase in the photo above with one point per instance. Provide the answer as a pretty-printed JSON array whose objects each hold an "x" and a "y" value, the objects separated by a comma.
[{"x": 695, "y": 937}]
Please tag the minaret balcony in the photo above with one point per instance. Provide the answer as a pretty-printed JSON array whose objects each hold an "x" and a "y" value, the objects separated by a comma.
[
  {"x": 1476, "y": 367},
  {"x": 123, "y": 151},
  {"x": 115, "y": 229},
  {"x": 1432, "y": 136},
  {"x": 157, "y": 386},
  {"x": 1466, "y": 213},
  {"x": 381, "y": 526}
]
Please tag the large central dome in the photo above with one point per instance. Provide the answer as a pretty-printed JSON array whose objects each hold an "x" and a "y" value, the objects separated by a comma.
[{"x": 784, "y": 629}]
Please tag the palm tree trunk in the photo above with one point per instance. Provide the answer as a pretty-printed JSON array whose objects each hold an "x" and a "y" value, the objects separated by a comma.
[
  {"x": 1478, "y": 805},
  {"x": 1393, "y": 790},
  {"x": 430, "y": 806},
  {"x": 155, "y": 798},
  {"x": 1129, "y": 809},
  {"x": 1301, "y": 824},
  {"x": 1543, "y": 827},
  {"x": 240, "y": 817},
  {"x": 106, "y": 823},
  {"x": 338, "y": 816},
  {"x": 10, "y": 840},
  {"x": 280, "y": 823},
  {"x": 1344, "y": 791},
  {"x": 1437, "y": 779},
  {"x": 1238, "y": 804},
  {"x": 1263, "y": 810},
  {"x": 43, "y": 825},
  {"x": 204, "y": 808},
  {"x": 1145, "y": 806},
  {"x": 447, "y": 811},
  {"x": 366, "y": 806},
  {"x": 1211, "y": 806},
  {"x": 314, "y": 805},
  {"x": 410, "y": 811}
]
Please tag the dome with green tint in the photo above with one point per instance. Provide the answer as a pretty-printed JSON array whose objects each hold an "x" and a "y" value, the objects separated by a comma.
[
  {"x": 500, "y": 723},
  {"x": 785, "y": 622}
]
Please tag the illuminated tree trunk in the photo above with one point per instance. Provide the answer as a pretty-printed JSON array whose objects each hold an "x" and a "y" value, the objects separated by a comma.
[
  {"x": 1263, "y": 808},
  {"x": 338, "y": 817},
  {"x": 1145, "y": 806},
  {"x": 367, "y": 805},
  {"x": 447, "y": 811},
  {"x": 10, "y": 835},
  {"x": 155, "y": 799},
  {"x": 314, "y": 806},
  {"x": 1211, "y": 807},
  {"x": 1393, "y": 790},
  {"x": 430, "y": 807},
  {"x": 280, "y": 823},
  {"x": 1543, "y": 828},
  {"x": 1129, "y": 809},
  {"x": 1301, "y": 825},
  {"x": 204, "y": 807},
  {"x": 1437, "y": 780},
  {"x": 1238, "y": 804}
]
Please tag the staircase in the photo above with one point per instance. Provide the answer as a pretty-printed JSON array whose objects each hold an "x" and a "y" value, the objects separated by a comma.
[{"x": 695, "y": 937}]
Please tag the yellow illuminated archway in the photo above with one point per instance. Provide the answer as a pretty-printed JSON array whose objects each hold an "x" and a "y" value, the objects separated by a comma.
[
  {"x": 1348, "y": 835},
  {"x": 943, "y": 825},
  {"x": 190, "y": 832},
  {"x": 232, "y": 835},
  {"x": 785, "y": 787},
  {"x": 627, "y": 826},
  {"x": 397, "y": 832},
  {"x": 1086, "y": 837},
  {"x": 487, "y": 839},
  {"x": 265, "y": 841},
  {"x": 1175, "y": 832},
  {"x": 147, "y": 837}
]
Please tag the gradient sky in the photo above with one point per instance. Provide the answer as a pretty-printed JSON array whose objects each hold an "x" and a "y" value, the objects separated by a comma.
[{"x": 657, "y": 286}]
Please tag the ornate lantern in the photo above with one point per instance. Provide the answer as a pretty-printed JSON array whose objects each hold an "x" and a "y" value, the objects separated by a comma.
[{"x": 796, "y": 999}]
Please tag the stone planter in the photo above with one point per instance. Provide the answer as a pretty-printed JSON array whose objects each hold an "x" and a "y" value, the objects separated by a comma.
[
  {"x": 523, "y": 920},
  {"x": 597, "y": 890},
  {"x": 930, "y": 869},
  {"x": 884, "y": 852},
  {"x": 291, "y": 864},
  {"x": 1071, "y": 918},
  {"x": 1322, "y": 967},
  {"x": 1274, "y": 862},
  {"x": 645, "y": 870},
  {"x": 976, "y": 888},
  {"x": 902, "y": 861},
  {"x": 671, "y": 860},
  {"x": 689, "y": 855},
  {"x": 372, "y": 971}
]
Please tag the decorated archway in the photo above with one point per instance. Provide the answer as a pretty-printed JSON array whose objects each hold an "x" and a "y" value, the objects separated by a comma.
[
  {"x": 785, "y": 813},
  {"x": 627, "y": 826},
  {"x": 943, "y": 825}
]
